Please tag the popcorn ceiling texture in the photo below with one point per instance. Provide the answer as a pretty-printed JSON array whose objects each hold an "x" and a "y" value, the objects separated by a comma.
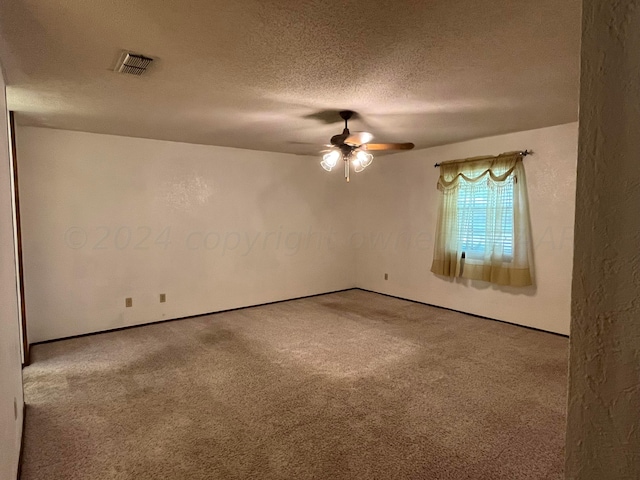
[
  {"x": 603, "y": 434},
  {"x": 250, "y": 73}
]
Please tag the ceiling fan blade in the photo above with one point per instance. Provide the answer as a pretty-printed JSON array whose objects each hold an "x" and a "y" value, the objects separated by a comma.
[
  {"x": 358, "y": 138},
  {"x": 387, "y": 146}
]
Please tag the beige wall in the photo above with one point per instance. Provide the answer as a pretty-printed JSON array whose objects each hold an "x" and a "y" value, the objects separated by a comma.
[
  {"x": 396, "y": 209},
  {"x": 11, "y": 403},
  {"x": 603, "y": 433},
  {"x": 108, "y": 217}
]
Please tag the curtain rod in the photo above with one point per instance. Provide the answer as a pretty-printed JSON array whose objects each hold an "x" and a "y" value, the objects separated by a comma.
[{"x": 524, "y": 154}]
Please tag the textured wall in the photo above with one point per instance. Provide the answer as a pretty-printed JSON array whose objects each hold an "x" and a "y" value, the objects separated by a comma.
[
  {"x": 603, "y": 437},
  {"x": 10, "y": 368},
  {"x": 106, "y": 217},
  {"x": 397, "y": 208}
]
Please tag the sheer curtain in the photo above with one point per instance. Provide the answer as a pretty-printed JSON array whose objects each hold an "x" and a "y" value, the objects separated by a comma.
[{"x": 483, "y": 221}]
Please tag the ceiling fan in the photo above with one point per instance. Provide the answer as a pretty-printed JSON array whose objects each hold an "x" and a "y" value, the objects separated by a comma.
[{"x": 354, "y": 147}]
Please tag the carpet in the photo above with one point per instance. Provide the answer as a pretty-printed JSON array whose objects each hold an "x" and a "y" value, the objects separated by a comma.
[{"x": 349, "y": 385}]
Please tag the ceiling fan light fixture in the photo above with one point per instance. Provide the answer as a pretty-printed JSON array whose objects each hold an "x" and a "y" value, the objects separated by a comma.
[
  {"x": 352, "y": 147},
  {"x": 364, "y": 158},
  {"x": 330, "y": 159},
  {"x": 361, "y": 160}
]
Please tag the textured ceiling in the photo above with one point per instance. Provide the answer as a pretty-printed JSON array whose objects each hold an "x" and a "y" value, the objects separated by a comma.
[{"x": 259, "y": 74}]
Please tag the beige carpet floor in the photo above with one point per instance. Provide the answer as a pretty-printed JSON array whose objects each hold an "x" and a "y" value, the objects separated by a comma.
[{"x": 350, "y": 385}]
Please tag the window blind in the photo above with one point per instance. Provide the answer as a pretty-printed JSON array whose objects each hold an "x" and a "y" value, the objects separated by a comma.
[{"x": 473, "y": 208}]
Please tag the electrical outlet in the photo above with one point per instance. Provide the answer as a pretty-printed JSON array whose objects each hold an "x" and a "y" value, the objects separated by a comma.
[
  {"x": 163, "y": 297},
  {"x": 386, "y": 276},
  {"x": 128, "y": 302}
]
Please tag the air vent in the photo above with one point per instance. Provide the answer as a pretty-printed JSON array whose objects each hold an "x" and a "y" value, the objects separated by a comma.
[{"x": 133, "y": 64}]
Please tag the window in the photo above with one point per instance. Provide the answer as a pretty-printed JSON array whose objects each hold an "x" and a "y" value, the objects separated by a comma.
[
  {"x": 483, "y": 221},
  {"x": 474, "y": 235}
]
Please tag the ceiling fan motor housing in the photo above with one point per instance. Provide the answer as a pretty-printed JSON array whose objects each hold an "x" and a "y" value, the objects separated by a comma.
[{"x": 346, "y": 150}]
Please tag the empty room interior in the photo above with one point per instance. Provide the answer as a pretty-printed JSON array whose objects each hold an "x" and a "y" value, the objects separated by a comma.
[{"x": 320, "y": 240}]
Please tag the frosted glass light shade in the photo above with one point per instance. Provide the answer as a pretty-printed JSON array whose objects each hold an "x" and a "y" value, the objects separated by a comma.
[
  {"x": 330, "y": 160},
  {"x": 365, "y": 158},
  {"x": 362, "y": 160}
]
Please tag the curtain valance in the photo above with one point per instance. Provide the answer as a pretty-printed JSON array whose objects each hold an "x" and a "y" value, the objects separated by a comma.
[{"x": 477, "y": 169}]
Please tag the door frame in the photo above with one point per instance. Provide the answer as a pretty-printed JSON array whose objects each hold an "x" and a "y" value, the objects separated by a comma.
[{"x": 26, "y": 357}]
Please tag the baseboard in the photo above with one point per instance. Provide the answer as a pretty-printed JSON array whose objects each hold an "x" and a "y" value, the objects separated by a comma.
[
  {"x": 288, "y": 300},
  {"x": 466, "y": 313},
  {"x": 126, "y": 327},
  {"x": 21, "y": 453}
]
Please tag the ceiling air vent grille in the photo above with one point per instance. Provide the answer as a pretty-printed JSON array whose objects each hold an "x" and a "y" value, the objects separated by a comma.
[{"x": 133, "y": 64}]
